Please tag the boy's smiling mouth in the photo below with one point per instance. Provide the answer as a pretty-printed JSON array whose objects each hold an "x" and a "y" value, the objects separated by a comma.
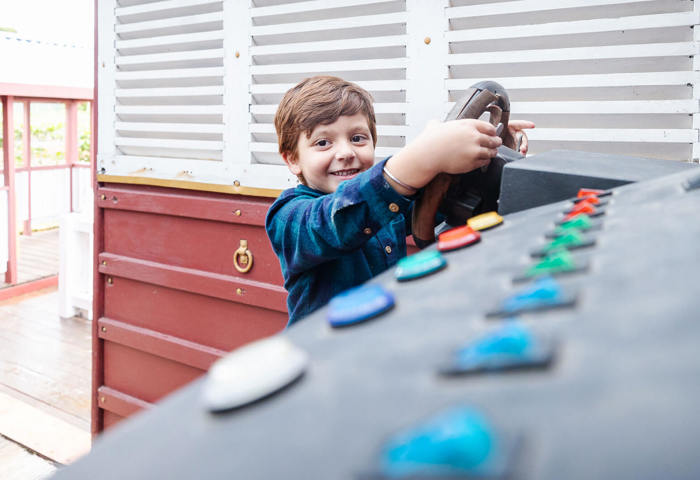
[{"x": 346, "y": 173}]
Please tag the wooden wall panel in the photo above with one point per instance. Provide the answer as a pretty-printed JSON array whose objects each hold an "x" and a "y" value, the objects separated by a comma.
[
  {"x": 190, "y": 243},
  {"x": 171, "y": 300},
  {"x": 142, "y": 375},
  {"x": 207, "y": 320}
]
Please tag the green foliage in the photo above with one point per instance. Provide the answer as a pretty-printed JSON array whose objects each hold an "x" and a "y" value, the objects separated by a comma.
[{"x": 8, "y": 29}]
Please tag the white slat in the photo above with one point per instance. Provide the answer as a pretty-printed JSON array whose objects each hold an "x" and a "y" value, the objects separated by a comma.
[
  {"x": 310, "y": 6},
  {"x": 370, "y": 85},
  {"x": 169, "y": 109},
  {"x": 577, "y": 53},
  {"x": 169, "y": 23},
  {"x": 160, "y": 6},
  {"x": 330, "y": 24},
  {"x": 169, "y": 92},
  {"x": 169, "y": 143},
  {"x": 382, "y": 130},
  {"x": 183, "y": 38},
  {"x": 171, "y": 57},
  {"x": 349, "y": 66},
  {"x": 168, "y": 127},
  {"x": 578, "y": 81},
  {"x": 324, "y": 46},
  {"x": 607, "y": 107},
  {"x": 527, "y": 6},
  {"x": 378, "y": 108},
  {"x": 581, "y": 26},
  {"x": 614, "y": 135},
  {"x": 174, "y": 73}
]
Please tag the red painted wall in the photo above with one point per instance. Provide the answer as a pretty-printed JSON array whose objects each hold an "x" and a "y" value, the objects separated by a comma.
[{"x": 170, "y": 299}]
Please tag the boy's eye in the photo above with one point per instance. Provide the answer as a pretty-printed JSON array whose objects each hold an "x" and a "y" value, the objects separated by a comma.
[
  {"x": 322, "y": 143},
  {"x": 358, "y": 138}
]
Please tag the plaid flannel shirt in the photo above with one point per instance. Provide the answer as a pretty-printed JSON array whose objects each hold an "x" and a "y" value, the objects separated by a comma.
[{"x": 329, "y": 242}]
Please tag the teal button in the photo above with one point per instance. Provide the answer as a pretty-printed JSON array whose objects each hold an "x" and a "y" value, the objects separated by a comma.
[{"x": 419, "y": 265}]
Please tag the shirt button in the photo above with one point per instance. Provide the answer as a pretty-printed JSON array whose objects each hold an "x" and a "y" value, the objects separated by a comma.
[
  {"x": 388, "y": 249},
  {"x": 393, "y": 207},
  {"x": 367, "y": 231}
]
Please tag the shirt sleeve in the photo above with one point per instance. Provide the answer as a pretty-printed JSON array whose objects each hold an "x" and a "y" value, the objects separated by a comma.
[{"x": 307, "y": 230}]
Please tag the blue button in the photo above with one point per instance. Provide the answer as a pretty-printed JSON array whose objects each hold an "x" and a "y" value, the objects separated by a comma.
[
  {"x": 456, "y": 442},
  {"x": 544, "y": 290},
  {"x": 511, "y": 346},
  {"x": 359, "y": 304}
]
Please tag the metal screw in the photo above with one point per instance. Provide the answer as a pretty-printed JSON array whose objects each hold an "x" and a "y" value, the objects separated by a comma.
[
  {"x": 104, "y": 329},
  {"x": 238, "y": 54},
  {"x": 237, "y": 183},
  {"x": 239, "y": 291},
  {"x": 104, "y": 262},
  {"x": 103, "y": 197},
  {"x": 102, "y": 399},
  {"x": 110, "y": 281},
  {"x": 114, "y": 199},
  {"x": 427, "y": 40},
  {"x": 237, "y": 213}
]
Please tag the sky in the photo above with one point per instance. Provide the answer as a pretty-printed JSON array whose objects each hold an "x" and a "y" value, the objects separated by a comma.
[{"x": 60, "y": 21}]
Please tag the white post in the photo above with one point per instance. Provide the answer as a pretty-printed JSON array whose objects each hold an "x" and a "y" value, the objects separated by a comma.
[{"x": 427, "y": 48}]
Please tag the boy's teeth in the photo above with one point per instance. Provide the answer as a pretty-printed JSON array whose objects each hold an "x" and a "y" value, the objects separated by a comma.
[{"x": 345, "y": 173}]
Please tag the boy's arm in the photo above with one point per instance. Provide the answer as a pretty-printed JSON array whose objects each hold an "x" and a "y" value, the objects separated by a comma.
[
  {"x": 457, "y": 146},
  {"x": 308, "y": 231}
]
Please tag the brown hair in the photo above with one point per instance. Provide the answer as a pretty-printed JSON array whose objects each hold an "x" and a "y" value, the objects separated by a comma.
[{"x": 319, "y": 100}]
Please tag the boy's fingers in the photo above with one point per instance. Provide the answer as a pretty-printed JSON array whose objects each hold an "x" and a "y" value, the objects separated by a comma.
[
  {"x": 490, "y": 141},
  {"x": 485, "y": 127},
  {"x": 520, "y": 124}
]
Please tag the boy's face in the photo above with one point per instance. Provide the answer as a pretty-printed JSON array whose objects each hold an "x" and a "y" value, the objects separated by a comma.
[{"x": 333, "y": 153}]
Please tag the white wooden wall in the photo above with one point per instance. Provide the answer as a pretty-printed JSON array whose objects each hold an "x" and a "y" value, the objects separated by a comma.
[{"x": 188, "y": 88}]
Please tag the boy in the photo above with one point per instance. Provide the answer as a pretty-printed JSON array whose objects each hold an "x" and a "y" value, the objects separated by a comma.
[{"x": 349, "y": 218}]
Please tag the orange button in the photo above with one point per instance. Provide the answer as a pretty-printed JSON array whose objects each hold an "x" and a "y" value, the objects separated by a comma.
[{"x": 393, "y": 207}]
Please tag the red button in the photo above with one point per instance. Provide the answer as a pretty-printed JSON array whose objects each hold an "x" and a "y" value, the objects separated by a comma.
[
  {"x": 592, "y": 199},
  {"x": 584, "y": 192},
  {"x": 457, "y": 238},
  {"x": 579, "y": 208}
]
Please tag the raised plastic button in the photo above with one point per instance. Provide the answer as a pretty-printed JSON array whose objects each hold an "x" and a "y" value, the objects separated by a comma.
[
  {"x": 457, "y": 238},
  {"x": 387, "y": 249},
  {"x": 359, "y": 304},
  {"x": 544, "y": 293},
  {"x": 368, "y": 231},
  {"x": 570, "y": 239},
  {"x": 253, "y": 372},
  {"x": 585, "y": 192},
  {"x": 456, "y": 442},
  {"x": 393, "y": 207},
  {"x": 580, "y": 222},
  {"x": 419, "y": 265},
  {"x": 511, "y": 346},
  {"x": 485, "y": 221},
  {"x": 557, "y": 262}
]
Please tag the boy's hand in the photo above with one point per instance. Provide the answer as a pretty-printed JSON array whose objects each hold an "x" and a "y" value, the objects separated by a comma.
[
  {"x": 516, "y": 128},
  {"x": 457, "y": 146}
]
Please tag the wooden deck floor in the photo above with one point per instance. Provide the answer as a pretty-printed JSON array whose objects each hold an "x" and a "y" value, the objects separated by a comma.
[
  {"x": 37, "y": 256},
  {"x": 45, "y": 374}
]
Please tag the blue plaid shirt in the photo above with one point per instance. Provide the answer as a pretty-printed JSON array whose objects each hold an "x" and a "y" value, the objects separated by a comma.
[{"x": 329, "y": 242}]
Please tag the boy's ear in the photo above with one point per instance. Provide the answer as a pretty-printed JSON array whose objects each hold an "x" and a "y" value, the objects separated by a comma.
[{"x": 292, "y": 164}]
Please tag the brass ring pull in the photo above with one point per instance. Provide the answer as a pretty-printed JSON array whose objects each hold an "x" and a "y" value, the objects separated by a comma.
[{"x": 245, "y": 262}]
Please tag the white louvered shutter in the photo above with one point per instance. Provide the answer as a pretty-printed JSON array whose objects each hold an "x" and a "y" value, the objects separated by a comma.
[
  {"x": 611, "y": 76},
  {"x": 167, "y": 88}
]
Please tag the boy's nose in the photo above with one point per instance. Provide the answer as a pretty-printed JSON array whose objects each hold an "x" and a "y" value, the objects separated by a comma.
[{"x": 345, "y": 153}]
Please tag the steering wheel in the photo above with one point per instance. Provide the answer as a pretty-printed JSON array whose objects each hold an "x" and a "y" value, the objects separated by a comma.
[{"x": 462, "y": 196}]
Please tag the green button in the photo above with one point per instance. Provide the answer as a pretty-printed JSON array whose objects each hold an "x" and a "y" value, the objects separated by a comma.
[
  {"x": 579, "y": 222},
  {"x": 559, "y": 261},
  {"x": 571, "y": 238}
]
